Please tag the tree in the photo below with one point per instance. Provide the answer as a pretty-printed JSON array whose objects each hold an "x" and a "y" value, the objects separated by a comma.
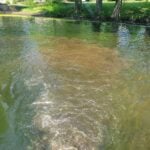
[
  {"x": 98, "y": 8},
  {"x": 117, "y": 9},
  {"x": 78, "y": 7}
]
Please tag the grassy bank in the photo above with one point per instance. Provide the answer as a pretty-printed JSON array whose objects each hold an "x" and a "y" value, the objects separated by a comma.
[{"x": 138, "y": 12}]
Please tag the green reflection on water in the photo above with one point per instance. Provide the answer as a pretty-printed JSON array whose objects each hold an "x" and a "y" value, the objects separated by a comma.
[{"x": 3, "y": 120}]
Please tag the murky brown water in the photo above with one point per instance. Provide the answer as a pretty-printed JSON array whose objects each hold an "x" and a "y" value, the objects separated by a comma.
[{"x": 67, "y": 86}]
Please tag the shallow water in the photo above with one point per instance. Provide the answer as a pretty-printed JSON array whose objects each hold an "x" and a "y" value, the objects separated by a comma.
[{"x": 67, "y": 85}]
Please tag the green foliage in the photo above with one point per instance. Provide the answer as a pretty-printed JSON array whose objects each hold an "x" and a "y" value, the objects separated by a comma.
[
  {"x": 30, "y": 3},
  {"x": 53, "y": 1},
  {"x": 136, "y": 11},
  {"x": 111, "y": 0},
  {"x": 133, "y": 11},
  {"x": 58, "y": 10}
]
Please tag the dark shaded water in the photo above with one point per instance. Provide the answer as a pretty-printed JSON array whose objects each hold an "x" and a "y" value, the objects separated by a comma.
[{"x": 68, "y": 85}]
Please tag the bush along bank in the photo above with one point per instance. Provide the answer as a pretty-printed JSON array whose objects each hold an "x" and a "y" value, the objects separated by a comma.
[
  {"x": 138, "y": 12},
  {"x": 133, "y": 12}
]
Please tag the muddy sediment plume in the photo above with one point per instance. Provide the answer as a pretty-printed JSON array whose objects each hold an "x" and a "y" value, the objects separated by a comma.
[
  {"x": 74, "y": 108},
  {"x": 67, "y": 53}
]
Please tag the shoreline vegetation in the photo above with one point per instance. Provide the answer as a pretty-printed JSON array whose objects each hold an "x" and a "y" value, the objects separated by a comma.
[{"x": 131, "y": 12}]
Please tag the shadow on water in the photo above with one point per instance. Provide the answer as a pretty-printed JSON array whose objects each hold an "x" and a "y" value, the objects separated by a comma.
[
  {"x": 73, "y": 85},
  {"x": 96, "y": 26}
]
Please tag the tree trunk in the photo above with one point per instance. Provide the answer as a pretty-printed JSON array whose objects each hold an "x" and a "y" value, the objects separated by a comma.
[
  {"x": 117, "y": 9},
  {"x": 98, "y": 8},
  {"x": 78, "y": 7}
]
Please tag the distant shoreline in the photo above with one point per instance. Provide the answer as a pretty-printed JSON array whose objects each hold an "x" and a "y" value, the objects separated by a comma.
[{"x": 16, "y": 10}]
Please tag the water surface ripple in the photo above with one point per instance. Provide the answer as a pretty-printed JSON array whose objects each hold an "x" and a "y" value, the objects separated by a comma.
[{"x": 68, "y": 85}]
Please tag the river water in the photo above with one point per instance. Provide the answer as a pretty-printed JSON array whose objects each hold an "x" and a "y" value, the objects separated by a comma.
[{"x": 70, "y": 85}]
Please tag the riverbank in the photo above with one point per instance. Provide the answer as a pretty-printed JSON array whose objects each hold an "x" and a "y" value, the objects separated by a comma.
[{"x": 133, "y": 12}]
